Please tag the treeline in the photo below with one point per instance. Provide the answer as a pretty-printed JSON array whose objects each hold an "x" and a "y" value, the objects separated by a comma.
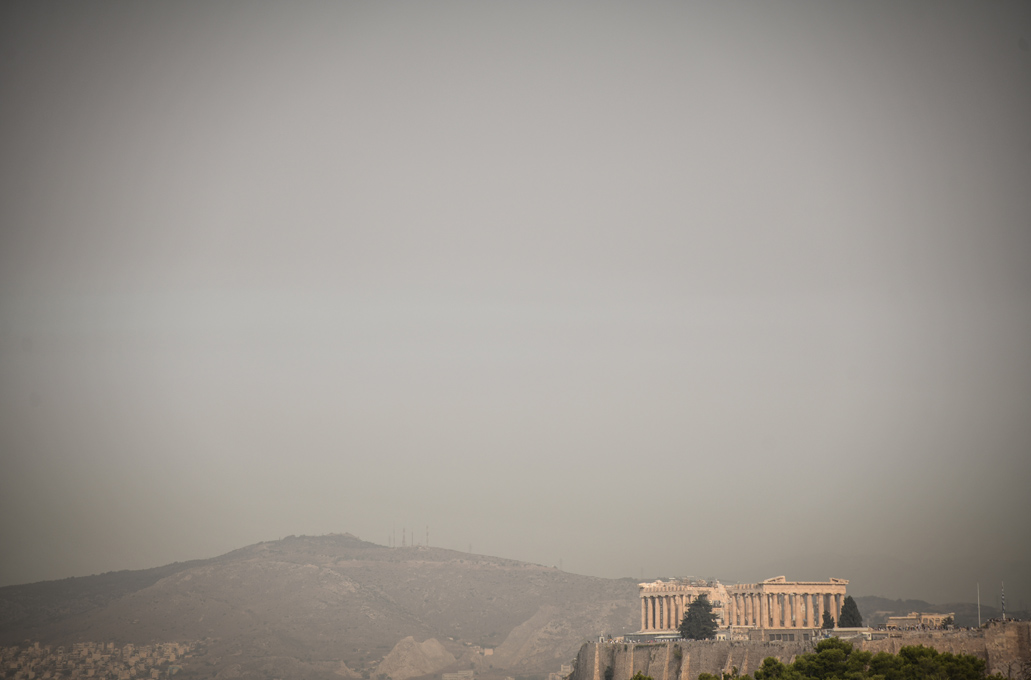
[{"x": 834, "y": 658}]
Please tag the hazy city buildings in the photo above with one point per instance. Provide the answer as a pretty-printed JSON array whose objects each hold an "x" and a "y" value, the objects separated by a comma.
[{"x": 94, "y": 660}]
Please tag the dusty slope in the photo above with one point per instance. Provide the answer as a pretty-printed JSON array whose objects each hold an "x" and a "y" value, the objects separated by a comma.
[{"x": 330, "y": 599}]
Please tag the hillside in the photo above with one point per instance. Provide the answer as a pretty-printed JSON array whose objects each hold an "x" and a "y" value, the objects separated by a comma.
[
  {"x": 876, "y": 610},
  {"x": 304, "y": 605}
]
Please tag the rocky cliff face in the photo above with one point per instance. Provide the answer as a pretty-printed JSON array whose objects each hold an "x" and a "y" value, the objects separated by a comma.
[{"x": 411, "y": 659}]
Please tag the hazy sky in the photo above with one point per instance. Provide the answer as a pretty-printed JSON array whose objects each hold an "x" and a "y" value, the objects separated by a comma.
[{"x": 649, "y": 289}]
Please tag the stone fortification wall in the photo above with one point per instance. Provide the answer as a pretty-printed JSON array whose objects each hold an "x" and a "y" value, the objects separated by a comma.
[
  {"x": 957, "y": 642},
  {"x": 1008, "y": 646},
  {"x": 682, "y": 660},
  {"x": 1005, "y": 646}
]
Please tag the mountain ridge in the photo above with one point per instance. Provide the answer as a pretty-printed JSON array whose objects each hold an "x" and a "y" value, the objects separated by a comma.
[{"x": 331, "y": 600}]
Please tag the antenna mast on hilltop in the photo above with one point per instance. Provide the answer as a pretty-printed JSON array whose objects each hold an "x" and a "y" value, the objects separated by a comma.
[
  {"x": 427, "y": 535},
  {"x": 404, "y": 537},
  {"x": 1003, "y": 596}
]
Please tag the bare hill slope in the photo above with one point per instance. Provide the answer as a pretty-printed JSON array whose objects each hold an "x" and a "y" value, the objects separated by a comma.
[{"x": 310, "y": 603}]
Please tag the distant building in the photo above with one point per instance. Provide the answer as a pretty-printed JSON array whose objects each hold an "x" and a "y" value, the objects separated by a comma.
[
  {"x": 459, "y": 675},
  {"x": 565, "y": 672},
  {"x": 919, "y": 620}
]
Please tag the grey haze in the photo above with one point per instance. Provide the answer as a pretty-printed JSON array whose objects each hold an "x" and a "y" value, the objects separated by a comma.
[{"x": 644, "y": 289}]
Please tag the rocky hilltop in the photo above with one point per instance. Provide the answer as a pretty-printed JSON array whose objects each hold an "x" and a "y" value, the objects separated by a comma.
[
  {"x": 334, "y": 606},
  {"x": 1005, "y": 647}
]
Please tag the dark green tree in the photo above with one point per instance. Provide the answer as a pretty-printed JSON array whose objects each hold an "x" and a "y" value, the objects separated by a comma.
[
  {"x": 772, "y": 669},
  {"x": 850, "y": 616},
  {"x": 947, "y": 621},
  {"x": 828, "y": 622},
  {"x": 835, "y": 658},
  {"x": 699, "y": 622}
]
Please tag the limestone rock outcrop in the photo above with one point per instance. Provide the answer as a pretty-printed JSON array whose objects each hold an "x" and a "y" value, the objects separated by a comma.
[{"x": 410, "y": 659}]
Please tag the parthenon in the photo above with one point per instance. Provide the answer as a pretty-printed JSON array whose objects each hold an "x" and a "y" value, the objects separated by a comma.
[{"x": 775, "y": 603}]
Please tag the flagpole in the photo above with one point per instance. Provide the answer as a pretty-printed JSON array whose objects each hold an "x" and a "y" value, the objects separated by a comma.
[{"x": 978, "y": 605}]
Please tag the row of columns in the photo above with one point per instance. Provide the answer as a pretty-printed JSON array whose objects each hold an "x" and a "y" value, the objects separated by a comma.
[
  {"x": 663, "y": 612},
  {"x": 783, "y": 610}
]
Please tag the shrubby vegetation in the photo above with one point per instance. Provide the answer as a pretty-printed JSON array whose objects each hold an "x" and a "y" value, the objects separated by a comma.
[{"x": 836, "y": 659}]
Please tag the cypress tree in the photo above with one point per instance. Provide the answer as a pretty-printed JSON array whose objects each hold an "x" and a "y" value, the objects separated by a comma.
[
  {"x": 850, "y": 616},
  {"x": 699, "y": 622}
]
